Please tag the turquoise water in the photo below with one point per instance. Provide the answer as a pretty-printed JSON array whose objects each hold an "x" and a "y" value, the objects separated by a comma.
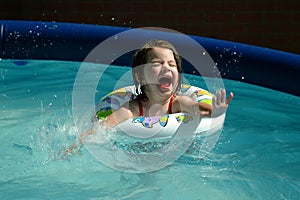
[{"x": 257, "y": 155}]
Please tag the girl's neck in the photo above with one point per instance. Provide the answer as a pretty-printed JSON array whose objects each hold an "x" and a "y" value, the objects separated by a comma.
[{"x": 156, "y": 98}]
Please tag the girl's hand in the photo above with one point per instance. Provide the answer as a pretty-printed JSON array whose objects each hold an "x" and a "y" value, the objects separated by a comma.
[{"x": 220, "y": 103}]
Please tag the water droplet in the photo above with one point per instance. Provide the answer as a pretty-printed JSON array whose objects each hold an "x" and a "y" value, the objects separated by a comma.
[{"x": 53, "y": 27}]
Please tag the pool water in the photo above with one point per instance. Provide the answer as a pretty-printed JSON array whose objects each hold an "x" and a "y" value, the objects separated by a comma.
[{"x": 257, "y": 155}]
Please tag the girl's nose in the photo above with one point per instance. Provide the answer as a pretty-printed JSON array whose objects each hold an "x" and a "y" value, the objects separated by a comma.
[{"x": 166, "y": 67}]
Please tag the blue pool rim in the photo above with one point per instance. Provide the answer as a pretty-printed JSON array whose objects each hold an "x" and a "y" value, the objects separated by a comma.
[{"x": 23, "y": 40}]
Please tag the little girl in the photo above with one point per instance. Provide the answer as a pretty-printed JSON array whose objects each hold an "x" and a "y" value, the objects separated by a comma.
[{"x": 157, "y": 74}]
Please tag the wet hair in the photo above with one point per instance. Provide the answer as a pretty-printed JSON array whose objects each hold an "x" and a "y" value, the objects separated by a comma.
[{"x": 140, "y": 58}]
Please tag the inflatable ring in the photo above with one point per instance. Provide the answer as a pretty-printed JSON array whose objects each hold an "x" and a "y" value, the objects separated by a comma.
[{"x": 158, "y": 126}]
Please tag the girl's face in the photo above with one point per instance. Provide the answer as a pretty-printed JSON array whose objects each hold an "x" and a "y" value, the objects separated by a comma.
[{"x": 161, "y": 72}]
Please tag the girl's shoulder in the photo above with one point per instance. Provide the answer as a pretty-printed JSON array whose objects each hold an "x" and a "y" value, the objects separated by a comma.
[
  {"x": 182, "y": 103},
  {"x": 183, "y": 99},
  {"x": 133, "y": 107}
]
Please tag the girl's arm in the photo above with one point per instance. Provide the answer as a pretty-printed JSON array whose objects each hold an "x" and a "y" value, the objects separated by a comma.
[
  {"x": 218, "y": 107},
  {"x": 117, "y": 117},
  {"x": 112, "y": 120}
]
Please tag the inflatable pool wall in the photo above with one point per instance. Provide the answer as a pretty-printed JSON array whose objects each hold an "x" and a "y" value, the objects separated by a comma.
[{"x": 72, "y": 42}]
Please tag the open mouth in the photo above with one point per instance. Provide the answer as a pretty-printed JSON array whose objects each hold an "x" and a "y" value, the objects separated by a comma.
[{"x": 165, "y": 82}]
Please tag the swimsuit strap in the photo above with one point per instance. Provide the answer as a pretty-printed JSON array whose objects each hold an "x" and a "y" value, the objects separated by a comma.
[
  {"x": 171, "y": 103},
  {"x": 169, "y": 107},
  {"x": 140, "y": 106}
]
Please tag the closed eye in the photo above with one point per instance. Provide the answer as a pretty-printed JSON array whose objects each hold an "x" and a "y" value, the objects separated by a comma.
[
  {"x": 173, "y": 65},
  {"x": 156, "y": 63}
]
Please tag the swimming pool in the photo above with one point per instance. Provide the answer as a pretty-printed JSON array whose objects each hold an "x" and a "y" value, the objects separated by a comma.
[{"x": 257, "y": 155}]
